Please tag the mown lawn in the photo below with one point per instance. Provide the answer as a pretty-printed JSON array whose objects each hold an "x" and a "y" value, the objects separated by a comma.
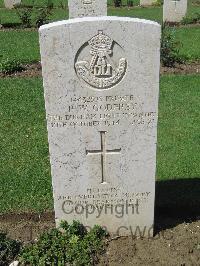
[
  {"x": 179, "y": 127},
  {"x": 190, "y": 42},
  {"x": 57, "y": 3},
  {"x": 25, "y": 182},
  {"x": 60, "y": 11},
  {"x": 19, "y": 44},
  {"x": 24, "y": 45},
  {"x": 24, "y": 164}
]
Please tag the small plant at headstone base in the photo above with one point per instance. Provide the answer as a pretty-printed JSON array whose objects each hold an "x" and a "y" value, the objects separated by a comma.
[
  {"x": 24, "y": 15},
  {"x": 10, "y": 66},
  {"x": 170, "y": 48},
  {"x": 117, "y": 3},
  {"x": 191, "y": 19},
  {"x": 9, "y": 249},
  {"x": 68, "y": 245},
  {"x": 42, "y": 16}
]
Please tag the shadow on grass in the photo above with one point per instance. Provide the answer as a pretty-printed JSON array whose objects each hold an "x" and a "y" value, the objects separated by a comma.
[
  {"x": 12, "y": 25},
  {"x": 176, "y": 201}
]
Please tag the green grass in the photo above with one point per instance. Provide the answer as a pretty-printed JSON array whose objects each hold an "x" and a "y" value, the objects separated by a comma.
[
  {"x": 179, "y": 127},
  {"x": 25, "y": 173},
  {"x": 37, "y": 2},
  {"x": 25, "y": 182},
  {"x": 8, "y": 16},
  {"x": 22, "y": 45},
  {"x": 154, "y": 13},
  {"x": 57, "y": 3},
  {"x": 190, "y": 39},
  {"x": 151, "y": 13}
]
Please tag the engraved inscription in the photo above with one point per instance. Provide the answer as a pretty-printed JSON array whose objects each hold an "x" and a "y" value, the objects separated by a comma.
[
  {"x": 88, "y": 8},
  {"x": 105, "y": 195},
  {"x": 103, "y": 152},
  {"x": 101, "y": 71},
  {"x": 107, "y": 110}
]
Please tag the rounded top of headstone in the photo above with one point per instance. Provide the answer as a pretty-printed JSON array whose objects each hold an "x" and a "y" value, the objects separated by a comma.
[{"x": 103, "y": 18}]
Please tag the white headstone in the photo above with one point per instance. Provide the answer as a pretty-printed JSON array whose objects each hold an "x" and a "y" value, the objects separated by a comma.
[
  {"x": 146, "y": 2},
  {"x": 87, "y": 8},
  {"x": 174, "y": 11},
  {"x": 11, "y": 3},
  {"x": 101, "y": 83}
]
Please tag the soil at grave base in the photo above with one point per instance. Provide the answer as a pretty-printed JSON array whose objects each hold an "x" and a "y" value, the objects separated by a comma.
[
  {"x": 175, "y": 246},
  {"x": 29, "y": 70},
  {"x": 192, "y": 68},
  {"x": 34, "y": 70},
  {"x": 179, "y": 244}
]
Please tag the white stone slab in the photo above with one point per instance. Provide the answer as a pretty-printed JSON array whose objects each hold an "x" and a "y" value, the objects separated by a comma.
[
  {"x": 14, "y": 263},
  {"x": 87, "y": 8},
  {"x": 101, "y": 83},
  {"x": 147, "y": 2},
  {"x": 11, "y": 3},
  {"x": 174, "y": 11}
]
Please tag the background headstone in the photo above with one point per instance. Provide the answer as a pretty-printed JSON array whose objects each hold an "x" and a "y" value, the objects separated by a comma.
[
  {"x": 87, "y": 8},
  {"x": 101, "y": 83},
  {"x": 174, "y": 11},
  {"x": 11, "y": 3},
  {"x": 146, "y": 2}
]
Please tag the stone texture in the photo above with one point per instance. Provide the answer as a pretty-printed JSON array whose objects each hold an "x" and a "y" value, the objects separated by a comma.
[
  {"x": 87, "y": 8},
  {"x": 14, "y": 263},
  {"x": 146, "y": 2},
  {"x": 11, "y": 3},
  {"x": 174, "y": 11},
  {"x": 101, "y": 83}
]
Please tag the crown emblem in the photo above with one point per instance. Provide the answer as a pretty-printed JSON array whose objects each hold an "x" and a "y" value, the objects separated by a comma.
[{"x": 101, "y": 42}]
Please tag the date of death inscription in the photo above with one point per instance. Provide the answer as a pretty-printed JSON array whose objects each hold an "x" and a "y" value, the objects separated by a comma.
[{"x": 94, "y": 111}]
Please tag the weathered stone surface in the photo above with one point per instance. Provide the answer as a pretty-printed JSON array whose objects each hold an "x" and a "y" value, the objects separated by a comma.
[
  {"x": 87, "y": 8},
  {"x": 101, "y": 83},
  {"x": 14, "y": 263},
  {"x": 11, "y": 3},
  {"x": 146, "y": 2},
  {"x": 174, "y": 11}
]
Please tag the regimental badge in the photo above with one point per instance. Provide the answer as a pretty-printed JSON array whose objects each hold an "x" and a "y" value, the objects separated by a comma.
[{"x": 101, "y": 71}]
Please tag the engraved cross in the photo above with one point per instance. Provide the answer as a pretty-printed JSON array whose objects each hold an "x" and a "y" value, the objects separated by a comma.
[{"x": 103, "y": 152}]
